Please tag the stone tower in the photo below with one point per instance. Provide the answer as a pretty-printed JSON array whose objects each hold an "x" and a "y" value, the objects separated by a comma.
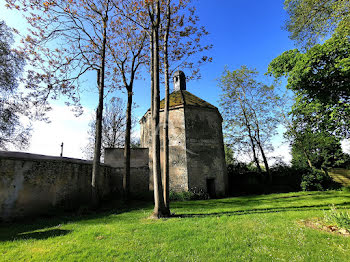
[{"x": 196, "y": 149}]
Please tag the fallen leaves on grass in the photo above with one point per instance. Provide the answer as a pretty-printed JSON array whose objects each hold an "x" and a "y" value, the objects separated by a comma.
[{"x": 318, "y": 224}]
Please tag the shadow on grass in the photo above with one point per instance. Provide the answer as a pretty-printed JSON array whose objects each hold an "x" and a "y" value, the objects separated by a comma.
[
  {"x": 46, "y": 226},
  {"x": 255, "y": 200},
  {"x": 263, "y": 210},
  {"x": 40, "y": 235}
]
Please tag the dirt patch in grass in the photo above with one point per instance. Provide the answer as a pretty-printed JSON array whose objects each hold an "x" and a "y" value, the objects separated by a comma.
[{"x": 318, "y": 224}]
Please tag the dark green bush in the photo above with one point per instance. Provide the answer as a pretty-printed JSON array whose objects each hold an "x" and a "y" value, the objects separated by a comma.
[
  {"x": 245, "y": 181},
  {"x": 317, "y": 180}
]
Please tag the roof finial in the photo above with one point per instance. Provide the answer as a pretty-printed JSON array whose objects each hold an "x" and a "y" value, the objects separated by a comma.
[{"x": 179, "y": 81}]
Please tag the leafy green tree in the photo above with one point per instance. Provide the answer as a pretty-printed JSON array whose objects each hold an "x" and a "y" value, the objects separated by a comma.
[
  {"x": 321, "y": 79},
  {"x": 312, "y": 144},
  {"x": 312, "y": 20},
  {"x": 322, "y": 72},
  {"x": 12, "y": 106}
]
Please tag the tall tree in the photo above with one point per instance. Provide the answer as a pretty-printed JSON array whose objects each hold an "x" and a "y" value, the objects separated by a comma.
[
  {"x": 181, "y": 41},
  {"x": 249, "y": 112},
  {"x": 166, "y": 175},
  {"x": 147, "y": 16},
  {"x": 155, "y": 15},
  {"x": 12, "y": 106},
  {"x": 183, "y": 48},
  {"x": 66, "y": 40},
  {"x": 129, "y": 53},
  {"x": 312, "y": 20}
]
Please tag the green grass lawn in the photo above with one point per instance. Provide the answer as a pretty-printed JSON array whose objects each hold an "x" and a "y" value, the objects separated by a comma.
[
  {"x": 253, "y": 228},
  {"x": 341, "y": 176}
]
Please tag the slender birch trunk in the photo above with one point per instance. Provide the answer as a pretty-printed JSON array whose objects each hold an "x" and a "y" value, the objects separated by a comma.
[
  {"x": 159, "y": 206},
  {"x": 166, "y": 112},
  {"x": 99, "y": 113}
]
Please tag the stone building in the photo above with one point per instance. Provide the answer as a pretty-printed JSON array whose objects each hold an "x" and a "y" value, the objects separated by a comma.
[{"x": 196, "y": 149}]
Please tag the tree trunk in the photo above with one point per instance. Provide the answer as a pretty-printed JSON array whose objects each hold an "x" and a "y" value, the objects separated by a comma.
[
  {"x": 126, "y": 177},
  {"x": 99, "y": 113},
  {"x": 258, "y": 141},
  {"x": 152, "y": 74},
  {"x": 308, "y": 159},
  {"x": 265, "y": 162},
  {"x": 166, "y": 113},
  {"x": 159, "y": 206},
  {"x": 247, "y": 124},
  {"x": 256, "y": 160}
]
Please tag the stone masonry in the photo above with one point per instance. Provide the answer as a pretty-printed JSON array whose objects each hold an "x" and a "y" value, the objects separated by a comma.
[{"x": 196, "y": 149}]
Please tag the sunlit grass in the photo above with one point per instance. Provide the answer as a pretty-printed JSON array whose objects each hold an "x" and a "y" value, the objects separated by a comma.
[
  {"x": 253, "y": 228},
  {"x": 341, "y": 176}
]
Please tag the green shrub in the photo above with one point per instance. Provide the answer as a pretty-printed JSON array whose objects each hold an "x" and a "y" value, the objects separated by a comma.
[
  {"x": 192, "y": 194},
  {"x": 316, "y": 180},
  {"x": 340, "y": 218}
]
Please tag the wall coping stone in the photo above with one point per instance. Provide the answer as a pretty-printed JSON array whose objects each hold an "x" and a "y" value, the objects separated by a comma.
[{"x": 35, "y": 157}]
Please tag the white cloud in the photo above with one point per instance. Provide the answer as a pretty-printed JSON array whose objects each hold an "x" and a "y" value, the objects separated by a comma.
[{"x": 64, "y": 127}]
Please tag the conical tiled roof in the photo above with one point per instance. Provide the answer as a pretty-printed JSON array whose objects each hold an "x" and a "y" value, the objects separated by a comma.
[{"x": 185, "y": 98}]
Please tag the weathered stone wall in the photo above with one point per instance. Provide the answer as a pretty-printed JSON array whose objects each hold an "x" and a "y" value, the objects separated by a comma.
[
  {"x": 177, "y": 147},
  {"x": 205, "y": 149},
  {"x": 139, "y": 173},
  {"x": 196, "y": 148},
  {"x": 34, "y": 184}
]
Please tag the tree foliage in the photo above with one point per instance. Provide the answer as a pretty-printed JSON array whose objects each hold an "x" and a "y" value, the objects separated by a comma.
[
  {"x": 64, "y": 43},
  {"x": 12, "y": 104},
  {"x": 312, "y": 20},
  {"x": 321, "y": 79},
  {"x": 323, "y": 151},
  {"x": 322, "y": 71},
  {"x": 249, "y": 112}
]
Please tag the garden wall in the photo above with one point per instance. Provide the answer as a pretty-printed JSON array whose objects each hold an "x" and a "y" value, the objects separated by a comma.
[
  {"x": 139, "y": 173},
  {"x": 32, "y": 184}
]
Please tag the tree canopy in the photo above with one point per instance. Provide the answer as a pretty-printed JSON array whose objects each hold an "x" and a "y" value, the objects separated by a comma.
[
  {"x": 12, "y": 104},
  {"x": 321, "y": 79},
  {"x": 312, "y": 20},
  {"x": 323, "y": 72},
  {"x": 249, "y": 112}
]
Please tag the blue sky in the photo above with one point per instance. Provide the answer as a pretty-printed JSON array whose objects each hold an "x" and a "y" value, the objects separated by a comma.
[{"x": 242, "y": 32}]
